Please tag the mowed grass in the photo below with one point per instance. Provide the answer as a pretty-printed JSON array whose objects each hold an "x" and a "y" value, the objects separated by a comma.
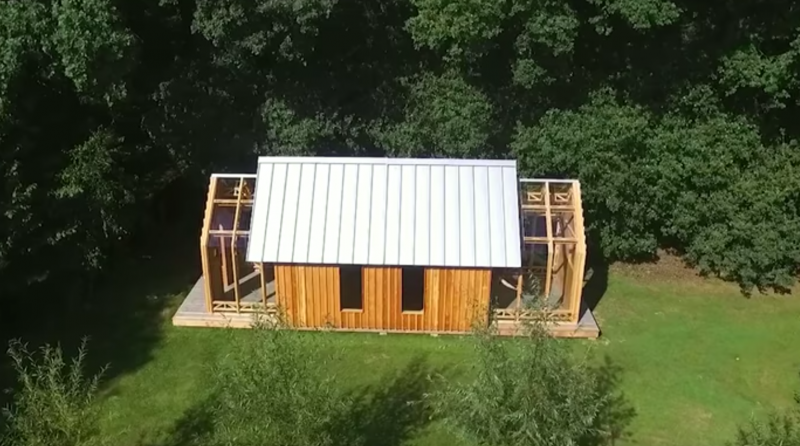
[{"x": 697, "y": 359}]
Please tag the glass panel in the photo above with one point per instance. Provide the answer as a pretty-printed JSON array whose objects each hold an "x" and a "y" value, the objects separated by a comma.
[
  {"x": 222, "y": 217},
  {"x": 534, "y": 224},
  {"x": 249, "y": 188},
  {"x": 560, "y": 194},
  {"x": 245, "y": 215},
  {"x": 217, "y": 241},
  {"x": 535, "y": 255},
  {"x": 532, "y": 193},
  {"x": 226, "y": 188}
]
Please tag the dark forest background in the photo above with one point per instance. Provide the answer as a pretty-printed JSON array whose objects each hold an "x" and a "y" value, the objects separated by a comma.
[{"x": 679, "y": 117}]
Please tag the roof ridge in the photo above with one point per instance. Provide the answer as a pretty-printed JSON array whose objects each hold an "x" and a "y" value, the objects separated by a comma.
[{"x": 388, "y": 161}]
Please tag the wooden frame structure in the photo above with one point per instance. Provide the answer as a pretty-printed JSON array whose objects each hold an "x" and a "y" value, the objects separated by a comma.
[
  {"x": 554, "y": 252},
  {"x": 554, "y": 255},
  {"x": 230, "y": 283}
]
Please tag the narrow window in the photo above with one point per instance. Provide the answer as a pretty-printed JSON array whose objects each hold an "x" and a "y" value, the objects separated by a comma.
[
  {"x": 413, "y": 288},
  {"x": 350, "y": 288}
]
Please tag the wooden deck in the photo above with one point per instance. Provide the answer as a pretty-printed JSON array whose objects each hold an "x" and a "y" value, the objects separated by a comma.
[
  {"x": 192, "y": 313},
  {"x": 586, "y": 328}
]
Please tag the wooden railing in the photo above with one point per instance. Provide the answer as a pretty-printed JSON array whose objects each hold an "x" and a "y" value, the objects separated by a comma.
[
  {"x": 226, "y": 306},
  {"x": 512, "y": 314}
]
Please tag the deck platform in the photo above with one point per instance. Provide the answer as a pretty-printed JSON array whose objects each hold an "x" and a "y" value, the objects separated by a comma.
[
  {"x": 192, "y": 313},
  {"x": 586, "y": 327}
]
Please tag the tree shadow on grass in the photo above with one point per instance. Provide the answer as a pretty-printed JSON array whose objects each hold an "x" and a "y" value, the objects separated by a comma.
[
  {"x": 122, "y": 316},
  {"x": 596, "y": 280},
  {"x": 126, "y": 319},
  {"x": 194, "y": 427},
  {"x": 387, "y": 413},
  {"x": 616, "y": 414}
]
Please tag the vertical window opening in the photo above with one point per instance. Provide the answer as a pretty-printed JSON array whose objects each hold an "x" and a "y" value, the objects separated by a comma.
[
  {"x": 413, "y": 289},
  {"x": 350, "y": 288}
]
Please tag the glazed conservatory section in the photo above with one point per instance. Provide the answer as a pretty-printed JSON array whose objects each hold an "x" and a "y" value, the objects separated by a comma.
[
  {"x": 230, "y": 283},
  {"x": 554, "y": 256}
]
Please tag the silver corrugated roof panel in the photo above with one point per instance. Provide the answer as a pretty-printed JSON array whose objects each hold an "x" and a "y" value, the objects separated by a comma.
[{"x": 386, "y": 211}]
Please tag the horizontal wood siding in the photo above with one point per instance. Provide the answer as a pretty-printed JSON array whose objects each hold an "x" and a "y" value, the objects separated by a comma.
[{"x": 309, "y": 295}]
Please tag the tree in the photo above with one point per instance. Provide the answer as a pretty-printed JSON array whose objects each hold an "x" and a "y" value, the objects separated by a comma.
[
  {"x": 70, "y": 191},
  {"x": 443, "y": 116},
  {"x": 697, "y": 183},
  {"x": 675, "y": 115}
]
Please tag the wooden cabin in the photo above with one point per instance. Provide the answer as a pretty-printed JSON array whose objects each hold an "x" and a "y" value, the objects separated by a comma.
[{"x": 390, "y": 245}]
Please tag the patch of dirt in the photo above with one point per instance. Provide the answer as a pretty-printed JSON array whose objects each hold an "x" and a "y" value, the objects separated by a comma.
[
  {"x": 667, "y": 267},
  {"x": 671, "y": 268},
  {"x": 700, "y": 417}
]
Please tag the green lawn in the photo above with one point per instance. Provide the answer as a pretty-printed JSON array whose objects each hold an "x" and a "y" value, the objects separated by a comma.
[{"x": 697, "y": 359}]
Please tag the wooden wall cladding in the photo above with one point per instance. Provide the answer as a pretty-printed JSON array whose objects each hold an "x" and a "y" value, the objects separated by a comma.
[
  {"x": 309, "y": 295},
  {"x": 381, "y": 300},
  {"x": 453, "y": 299},
  {"x": 456, "y": 298}
]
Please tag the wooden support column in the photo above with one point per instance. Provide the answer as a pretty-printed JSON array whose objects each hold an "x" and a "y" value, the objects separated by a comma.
[
  {"x": 549, "y": 221},
  {"x": 260, "y": 267},
  {"x": 204, "y": 237},
  {"x": 234, "y": 251},
  {"x": 579, "y": 263},
  {"x": 226, "y": 280},
  {"x": 520, "y": 278},
  {"x": 519, "y": 294}
]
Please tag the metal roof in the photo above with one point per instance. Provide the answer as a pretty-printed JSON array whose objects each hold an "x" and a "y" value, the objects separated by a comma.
[{"x": 386, "y": 211}]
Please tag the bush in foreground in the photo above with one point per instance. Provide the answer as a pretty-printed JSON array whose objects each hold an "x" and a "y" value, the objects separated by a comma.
[
  {"x": 531, "y": 391},
  {"x": 778, "y": 430},
  {"x": 54, "y": 403},
  {"x": 274, "y": 389}
]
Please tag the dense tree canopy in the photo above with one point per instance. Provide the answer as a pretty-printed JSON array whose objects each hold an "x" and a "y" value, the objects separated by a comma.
[{"x": 677, "y": 116}]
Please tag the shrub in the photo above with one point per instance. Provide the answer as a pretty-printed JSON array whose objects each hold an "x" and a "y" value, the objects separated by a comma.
[
  {"x": 274, "y": 389},
  {"x": 530, "y": 391},
  {"x": 54, "y": 403},
  {"x": 778, "y": 430}
]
